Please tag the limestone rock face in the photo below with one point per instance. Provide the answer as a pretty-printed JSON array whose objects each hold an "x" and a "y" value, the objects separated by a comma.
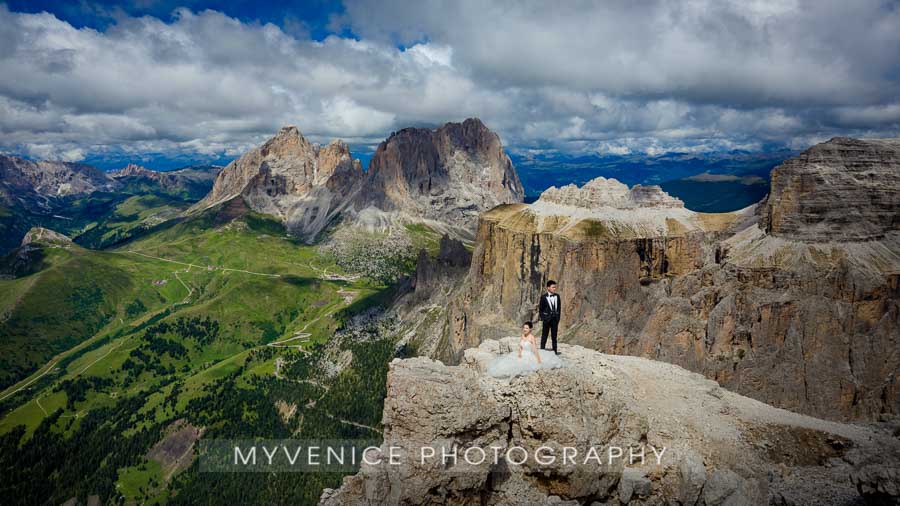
[
  {"x": 449, "y": 175},
  {"x": 304, "y": 185},
  {"x": 714, "y": 447},
  {"x": 841, "y": 190},
  {"x": 21, "y": 178},
  {"x": 602, "y": 192},
  {"x": 795, "y": 323},
  {"x": 432, "y": 275}
]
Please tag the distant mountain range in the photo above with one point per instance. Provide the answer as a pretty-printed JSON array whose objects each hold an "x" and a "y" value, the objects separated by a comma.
[
  {"x": 708, "y": 182},
  {"x": 446, "y": 176},
  {"x": 83, "y": 202}
]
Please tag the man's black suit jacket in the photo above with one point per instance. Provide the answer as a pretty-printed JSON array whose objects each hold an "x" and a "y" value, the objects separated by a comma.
[{"x": 544, "y": 309}]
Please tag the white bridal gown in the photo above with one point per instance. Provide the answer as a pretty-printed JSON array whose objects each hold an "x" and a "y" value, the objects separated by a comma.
[{"x": 510, "y": 364}]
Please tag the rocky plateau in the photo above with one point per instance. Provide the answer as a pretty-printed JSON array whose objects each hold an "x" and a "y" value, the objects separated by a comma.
[{"x": 702, "y": 445}]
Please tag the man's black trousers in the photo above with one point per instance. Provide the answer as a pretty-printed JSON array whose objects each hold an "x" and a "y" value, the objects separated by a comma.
[{"x": 549, "y": 326}]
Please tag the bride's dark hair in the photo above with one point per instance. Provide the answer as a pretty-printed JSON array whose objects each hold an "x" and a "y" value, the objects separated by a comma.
[{"x": 530, "y": 325}]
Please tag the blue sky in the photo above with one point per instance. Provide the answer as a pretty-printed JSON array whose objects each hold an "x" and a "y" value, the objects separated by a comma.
[
  {"x": 172, "y": 82},
  {"x": 307, "y": 18}
]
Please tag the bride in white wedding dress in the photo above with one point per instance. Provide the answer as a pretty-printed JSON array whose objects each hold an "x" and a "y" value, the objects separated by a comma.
[{"x": 527, "y": 359}]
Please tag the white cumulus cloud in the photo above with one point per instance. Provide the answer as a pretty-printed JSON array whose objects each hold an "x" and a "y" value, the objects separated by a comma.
[{"x": 595, "y": 77}]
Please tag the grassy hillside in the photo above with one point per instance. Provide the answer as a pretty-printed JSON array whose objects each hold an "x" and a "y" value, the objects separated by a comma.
[
  {"x": 203, "y": 326},
  {"x": 131, "y": 217}
]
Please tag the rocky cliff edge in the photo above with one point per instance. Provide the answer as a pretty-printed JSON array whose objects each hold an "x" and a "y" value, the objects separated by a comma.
[{"x": 720, "y": 447}]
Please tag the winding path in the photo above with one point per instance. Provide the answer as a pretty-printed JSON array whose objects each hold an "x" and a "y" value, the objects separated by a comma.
[
  {"x": 218, "y": 268},
  {"x": 49, "y": 368},
  {"x": 301, "y": 334}
]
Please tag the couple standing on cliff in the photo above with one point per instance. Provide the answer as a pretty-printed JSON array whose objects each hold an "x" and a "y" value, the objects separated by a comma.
[{"x": 528, "y": 358}]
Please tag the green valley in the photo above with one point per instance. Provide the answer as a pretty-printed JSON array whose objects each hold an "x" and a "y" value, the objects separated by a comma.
[{"x": 214, "y": 325}]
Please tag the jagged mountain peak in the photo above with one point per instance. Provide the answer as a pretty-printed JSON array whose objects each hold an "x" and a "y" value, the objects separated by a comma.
[
  {"x": 445, "y": 176},
  {"x": 449, "y": 174},
  {"x": 133, "y": 170},
  {"x": 470, "y": 125},
  {"x": 303, "y": 184},
  {"x": 288, "y": 141}
]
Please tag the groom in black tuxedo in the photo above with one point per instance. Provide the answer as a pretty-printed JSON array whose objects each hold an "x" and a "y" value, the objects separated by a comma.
[{"x": 549, "y": 309}]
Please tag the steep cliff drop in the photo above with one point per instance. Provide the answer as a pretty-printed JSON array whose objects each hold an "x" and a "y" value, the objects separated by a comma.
[
  {"x": 793, "y": 301},
  {"x": 698, "y": 444}
]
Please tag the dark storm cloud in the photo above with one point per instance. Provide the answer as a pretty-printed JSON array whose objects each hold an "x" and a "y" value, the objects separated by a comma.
[{"x": 638, "y": 76}]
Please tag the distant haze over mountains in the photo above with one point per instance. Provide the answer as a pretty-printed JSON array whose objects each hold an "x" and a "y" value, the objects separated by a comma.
[{"x": 541, "y": 171}]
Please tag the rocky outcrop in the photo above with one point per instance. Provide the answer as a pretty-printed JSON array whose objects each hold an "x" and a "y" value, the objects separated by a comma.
[
  {"x": 449, "y": 175},
  {"x": 420, "y": 309},
  {"x": 38, "y": 236},
  {"x": 659, "y": 434},
  {"x": 22, "y": 179},
  {"x": 841, "y": 190},
  {"x": 798, "y": 323},
  {"x": 29, "y": 257},
  {"x": 304, "y": 185},
  {"x": 134, "y": 170}
]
